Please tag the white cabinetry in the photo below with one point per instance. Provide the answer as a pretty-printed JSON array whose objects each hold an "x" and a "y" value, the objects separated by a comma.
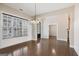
[{"x": 13, "y": 26}]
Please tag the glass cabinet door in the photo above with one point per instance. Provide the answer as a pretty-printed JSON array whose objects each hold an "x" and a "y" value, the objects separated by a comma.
[
  {"x": 5, "y": 27},
  {"x": 9, "y": 26},
  {"x": 24, "y": 28},
  {"x": 13, "y": 26}
]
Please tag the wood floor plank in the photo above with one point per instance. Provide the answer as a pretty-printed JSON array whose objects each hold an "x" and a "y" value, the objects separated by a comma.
[{"x": 44, "y": 47}]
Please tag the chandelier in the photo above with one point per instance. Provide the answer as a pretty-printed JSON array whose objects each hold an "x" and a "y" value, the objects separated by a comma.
[{"x": 35, "y": 20}]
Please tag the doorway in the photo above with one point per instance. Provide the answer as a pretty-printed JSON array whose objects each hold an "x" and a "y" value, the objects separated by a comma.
[
  {"x": 53, "y": 31},
  {"x": 39, "y": 30}
]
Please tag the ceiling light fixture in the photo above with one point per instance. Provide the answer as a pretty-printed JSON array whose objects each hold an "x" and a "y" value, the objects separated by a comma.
[
  {"x": 35, "y": 19},
  {"x": 21, "y": 9}
]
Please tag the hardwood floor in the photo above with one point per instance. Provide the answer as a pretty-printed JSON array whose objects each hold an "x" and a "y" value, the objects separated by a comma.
[{"x": 44, "y": 47}]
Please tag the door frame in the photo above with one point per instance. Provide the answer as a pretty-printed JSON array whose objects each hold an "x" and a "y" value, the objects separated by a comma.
[{"x": 56, "y": 28}]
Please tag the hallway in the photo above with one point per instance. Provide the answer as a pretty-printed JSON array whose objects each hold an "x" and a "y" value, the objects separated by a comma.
[{"x": 45, "y": 47}]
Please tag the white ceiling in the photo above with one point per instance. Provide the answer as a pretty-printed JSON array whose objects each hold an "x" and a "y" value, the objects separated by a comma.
[{"x": 29, "y": 8}]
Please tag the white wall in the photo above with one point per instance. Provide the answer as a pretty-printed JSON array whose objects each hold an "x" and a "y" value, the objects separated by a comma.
[
  {"x": 61, "y": 21},
  {"x": 13, "y": 41},
  {"x": 59, "y": 17},
  {"x": 76, "y": 29},
  {"x": 34, "y": 31}
]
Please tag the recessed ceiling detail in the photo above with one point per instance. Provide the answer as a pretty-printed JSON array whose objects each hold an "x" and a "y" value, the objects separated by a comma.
[{"x": 41, "y": 8}]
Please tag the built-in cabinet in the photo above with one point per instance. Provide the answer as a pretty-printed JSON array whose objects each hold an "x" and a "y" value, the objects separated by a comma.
[{"x": 13, "y": 26}]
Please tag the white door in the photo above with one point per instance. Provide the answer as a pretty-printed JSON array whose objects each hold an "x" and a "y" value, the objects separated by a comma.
[{"x": 52, "y": 30}]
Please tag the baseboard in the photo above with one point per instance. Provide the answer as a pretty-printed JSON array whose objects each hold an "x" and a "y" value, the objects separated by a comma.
[
  {"x": 77, "y": 51},
  {"x": 44, "y": 38},
  {"x": 61, "y": 39},
  {"x": 71, "y": 46}
]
